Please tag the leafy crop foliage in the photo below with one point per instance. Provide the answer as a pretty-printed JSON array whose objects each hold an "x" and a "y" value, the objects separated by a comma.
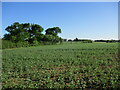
[{"x": 76, "y": 65}]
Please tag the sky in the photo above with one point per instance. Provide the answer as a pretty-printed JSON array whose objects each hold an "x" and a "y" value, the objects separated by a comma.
[
  {"x": 60, "y": 0},
  {"x": 84, "y": 20}
]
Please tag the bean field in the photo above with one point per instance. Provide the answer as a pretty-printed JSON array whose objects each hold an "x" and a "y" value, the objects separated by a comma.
[{"x": 68, "y": 65}]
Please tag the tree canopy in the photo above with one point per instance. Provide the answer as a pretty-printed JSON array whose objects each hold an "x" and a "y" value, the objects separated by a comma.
[
  {"x": 31, "y": 33},
  {"x": 53, "y": 31}
]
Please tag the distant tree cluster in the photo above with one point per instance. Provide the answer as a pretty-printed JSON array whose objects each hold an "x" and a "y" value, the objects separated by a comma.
[
  {"x": 32, "y": 34},
  {"x": 107, "y": 41},
  {"x": 83, "y": 40},
  {"x": 90, "y": 41},
  {"x": 79, "y": 40}
]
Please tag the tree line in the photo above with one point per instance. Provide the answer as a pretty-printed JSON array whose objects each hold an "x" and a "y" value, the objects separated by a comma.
[
  {"x": 90, "y": 41},
  {"x": 26, "y": 34},
  {"x": 107, "y": 41},
  {"x": 78, "y": 40},
  {"x": 31, "y": 33}
]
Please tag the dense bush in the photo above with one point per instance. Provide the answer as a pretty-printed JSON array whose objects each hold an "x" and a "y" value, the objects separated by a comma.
[
  {"x": 0, "y": 44},
  {"x": 87, "y": 41},
  {"x": 8, "y": 44},
  {"x": 5, "y": 44}
]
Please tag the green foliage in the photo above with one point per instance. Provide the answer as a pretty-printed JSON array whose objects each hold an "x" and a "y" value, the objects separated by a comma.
[
  {"x": 53, "y": 31},
  {"x": 76, "y": 65},
  {"x": 0, "y": 43},
  {"x": 107, "y": 41},
  {"x": 35, "y": 43},
  {"x": 50, "y": 39},
  {"x": 17, "y": 32},
  {"x": 31, "y": 33},
  {"x": 83, "y": 40},
  {"x": 8, "y": 44}
]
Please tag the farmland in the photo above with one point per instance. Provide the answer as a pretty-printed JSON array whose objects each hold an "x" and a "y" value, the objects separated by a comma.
[{"x": 68, "y": 65}]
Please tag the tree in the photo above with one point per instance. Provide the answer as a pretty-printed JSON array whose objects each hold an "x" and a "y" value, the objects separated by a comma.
[
  {"x": 76, "y": 39},
  {"x": 52, "y": 39},
  {"x": 69, "y": 40},
  {"x": 51, "y": 35},
  {"x": 23, "y": 32},
  {"x": 31, "y": 33},
  {"x": 53, "y": 31},
  {"x": 35, "y": 33},
  {"x": 65, "y": 40},
  {"x": 16, "y": 33}
]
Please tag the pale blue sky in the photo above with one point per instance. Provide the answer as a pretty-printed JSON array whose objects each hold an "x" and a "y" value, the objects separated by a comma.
[{"x": 86, "y": 20}]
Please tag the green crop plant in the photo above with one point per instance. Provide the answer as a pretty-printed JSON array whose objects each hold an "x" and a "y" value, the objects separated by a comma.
[{"x": 76, "y": 65}]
